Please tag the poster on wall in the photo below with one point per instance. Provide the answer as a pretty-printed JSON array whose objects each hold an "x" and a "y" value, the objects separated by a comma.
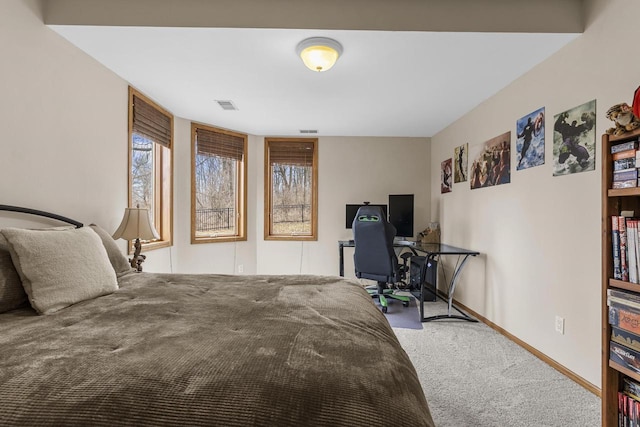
[
  {"x": 530, "y": 140},
  {"x": 445, "y": 176},
  {"x": 460, "y": 155},
  {"x": 491, "y": 162},
  {"x": 574, "y": 140}
]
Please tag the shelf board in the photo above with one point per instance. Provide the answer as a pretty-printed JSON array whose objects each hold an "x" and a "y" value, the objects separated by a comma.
[
  {"x": 626, "y": 371},
  {"x": 624, "y": 136},
  {"x": 617, "y": 192},
  {"x": 621, "y": 284}
]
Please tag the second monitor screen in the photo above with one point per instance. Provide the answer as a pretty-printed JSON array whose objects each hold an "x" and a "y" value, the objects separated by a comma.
[{"x": 401, "y": 214}]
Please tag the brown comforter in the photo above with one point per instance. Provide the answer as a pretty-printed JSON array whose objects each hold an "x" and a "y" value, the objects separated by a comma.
[{"x": 210, "y": 350}]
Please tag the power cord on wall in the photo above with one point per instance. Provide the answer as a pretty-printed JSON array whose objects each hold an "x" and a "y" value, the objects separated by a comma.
[
  {"x": 235, "y": 257},
  {"x": 171, "y": 259},
  {"x": 301, "y": 255}
]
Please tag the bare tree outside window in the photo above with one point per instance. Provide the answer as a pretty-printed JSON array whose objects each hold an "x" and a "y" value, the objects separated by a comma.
[
  {"x": 142, "y": 179},
  {"x": 215, "y": 195},
  {"x": 291, "y": 189},
  {"x": 291, "y": 199},
  {"x": 218, "y": 180}
]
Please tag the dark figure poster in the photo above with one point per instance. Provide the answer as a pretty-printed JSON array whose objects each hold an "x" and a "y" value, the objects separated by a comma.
[
  {"x": 530, "y": 140},
  {"x": 491, "y": 162},
  {"x": 460, "y": 156},
  {"x": 574, "y": 140},
  {"x": 446, "y": 176}
]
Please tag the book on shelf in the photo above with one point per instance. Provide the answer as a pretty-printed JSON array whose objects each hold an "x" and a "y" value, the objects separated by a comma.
[
  {"x": 621, "y": 419},
  {"x": 624, "y": 304},
  {"x": 630, "y": 183},
  {"x": 624, "y": 146},
  {"x": 632, "y": 245},
  {"x": 615, "y": 243},
  {"x": 622, "y": 229},
  {"x": 624, "y": 356},
  {"x": 621, "y": 409},
  {"x": 631, "y": 388},
  {"x": 622, "y": 164},
  {"x": 626, "y": 338},
  {"x": 623, "y": 154},
  {"x": 624, "y": 317},
  {"x": 623, "y": 294},
  {"x": 626, "y": 175},
  {"x": 628, "y": 411}
]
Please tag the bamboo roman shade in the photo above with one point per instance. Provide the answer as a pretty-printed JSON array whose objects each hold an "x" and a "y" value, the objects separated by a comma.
[
  {"x": 212, "y": 143},
  {"x": 297, "y": 153},
  {"x": 150, "y": 122}
]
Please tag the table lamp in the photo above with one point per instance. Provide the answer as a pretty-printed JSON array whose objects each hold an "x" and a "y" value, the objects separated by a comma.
[{"x": 136, "y": 225}]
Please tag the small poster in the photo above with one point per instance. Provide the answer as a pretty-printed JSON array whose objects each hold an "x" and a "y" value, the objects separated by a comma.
[
  {"x": 445, "y": 175},
  {"x": 460, "y": 155},
  {"x": 574, "y": 140},
  {"x": 530, "y": 140},
  {"x": 491, "y": 162}
]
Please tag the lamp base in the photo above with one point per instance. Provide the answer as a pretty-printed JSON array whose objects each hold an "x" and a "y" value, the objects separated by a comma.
[{"x": 137, "y": 259}]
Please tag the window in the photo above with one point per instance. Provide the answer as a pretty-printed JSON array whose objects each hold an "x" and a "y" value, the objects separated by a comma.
[
  {"x": 218, "y": 185},
  {"x": 151, "y": 164},
  {"x": 291, "y": 189}
]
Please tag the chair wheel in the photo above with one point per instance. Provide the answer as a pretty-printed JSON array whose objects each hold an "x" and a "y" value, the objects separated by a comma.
[
  {"x": 405, "y": 304},
  {"x": 384, "y": 309}
]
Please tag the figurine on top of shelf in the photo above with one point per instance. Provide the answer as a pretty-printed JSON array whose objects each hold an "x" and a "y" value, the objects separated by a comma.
[{"x": 625, "y": 116}]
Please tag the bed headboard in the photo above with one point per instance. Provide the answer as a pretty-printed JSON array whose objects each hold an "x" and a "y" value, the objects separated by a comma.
[{"x": 41, "y": 213}]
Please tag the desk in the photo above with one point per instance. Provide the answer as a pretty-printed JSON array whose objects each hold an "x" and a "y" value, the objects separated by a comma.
[{"x": 431, "y": 251}]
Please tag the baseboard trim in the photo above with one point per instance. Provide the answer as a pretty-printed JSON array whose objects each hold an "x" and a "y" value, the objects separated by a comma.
[{"x": 549, "y": 361}]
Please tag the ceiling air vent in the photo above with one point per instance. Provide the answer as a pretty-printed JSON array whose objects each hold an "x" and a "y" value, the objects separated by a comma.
[
  {"x": 227, "y": 105},
  {"x": 308, "y": 131}
]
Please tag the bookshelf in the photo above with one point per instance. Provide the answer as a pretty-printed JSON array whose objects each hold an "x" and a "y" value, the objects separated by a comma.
[{"x": 614, "y": 201}]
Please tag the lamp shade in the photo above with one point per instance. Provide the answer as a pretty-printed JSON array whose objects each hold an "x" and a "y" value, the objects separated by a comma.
[
  {"x": 319, "y": 53},
  {"x": 136, "y": 225}
]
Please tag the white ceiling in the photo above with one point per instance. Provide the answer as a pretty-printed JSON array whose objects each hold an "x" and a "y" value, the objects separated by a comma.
[{"x": 387, "y": 83}]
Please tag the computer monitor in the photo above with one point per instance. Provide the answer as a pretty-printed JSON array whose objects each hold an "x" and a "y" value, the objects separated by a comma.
[
  {"x": 351, "y": 211},
  {"x": 401, "y": 214}
]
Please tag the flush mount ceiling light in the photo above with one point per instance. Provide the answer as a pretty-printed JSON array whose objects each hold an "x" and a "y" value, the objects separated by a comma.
[{"x": 319, "y": 53}]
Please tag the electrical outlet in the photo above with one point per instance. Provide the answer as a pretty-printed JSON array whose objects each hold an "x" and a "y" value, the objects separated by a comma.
[
  {"x": 560, "y": 325},
  {"x": 240, "y": 268}
]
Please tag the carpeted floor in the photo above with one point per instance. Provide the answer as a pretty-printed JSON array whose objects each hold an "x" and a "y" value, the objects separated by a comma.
[{"x": 474, "y": 377}]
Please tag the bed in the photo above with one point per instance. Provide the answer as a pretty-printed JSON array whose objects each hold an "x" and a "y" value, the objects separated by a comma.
[{"x": 181, "y": 349}]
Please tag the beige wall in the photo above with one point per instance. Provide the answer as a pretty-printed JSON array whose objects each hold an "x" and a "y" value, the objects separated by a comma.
[
  {"x": 540, "y": 235},
  {"x": 63, "y": 126}
]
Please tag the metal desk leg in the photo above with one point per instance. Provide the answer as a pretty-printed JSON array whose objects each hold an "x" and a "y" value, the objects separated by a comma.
[
  {"x": 452, "y": 288},
  {"x": 341, "y": 250}
]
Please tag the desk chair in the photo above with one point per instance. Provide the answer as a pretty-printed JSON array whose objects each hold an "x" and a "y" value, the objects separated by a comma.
[{"x": 375, "y": 258}]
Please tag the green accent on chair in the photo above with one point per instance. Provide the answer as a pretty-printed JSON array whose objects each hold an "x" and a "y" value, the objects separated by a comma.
[
  {"x": 402, "y": 298},
  {"x": 383, "y": 301},
  {"x": 368, "y": 218}
]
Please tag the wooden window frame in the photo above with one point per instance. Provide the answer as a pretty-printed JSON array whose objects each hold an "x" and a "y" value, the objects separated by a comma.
[
  {"x": 163, "y": 180},
  {"x": 267, "y": 192},
  {"x": 241, "y": 189}
]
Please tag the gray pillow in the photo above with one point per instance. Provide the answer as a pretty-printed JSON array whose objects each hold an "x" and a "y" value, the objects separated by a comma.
[
  {"x": 60, "y": 268},
  {"x": 118, "y": 260},
  {"x": 12, "y": 293}
]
